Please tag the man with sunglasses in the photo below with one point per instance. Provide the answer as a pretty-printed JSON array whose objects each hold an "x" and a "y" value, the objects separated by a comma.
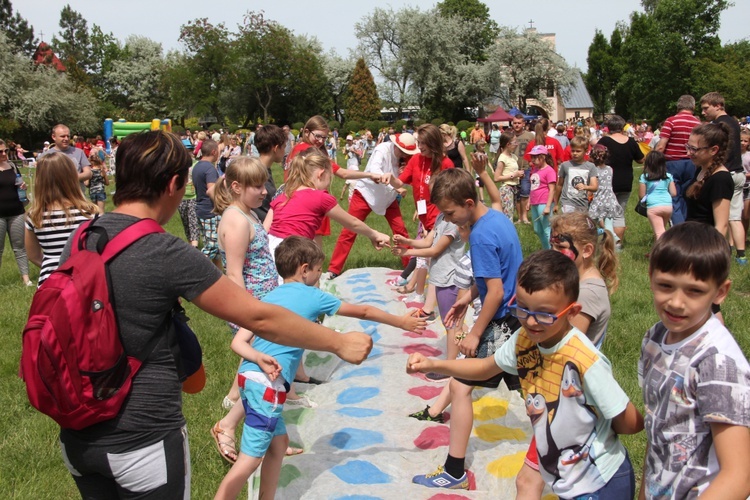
[{"x": 61, "y": 138}]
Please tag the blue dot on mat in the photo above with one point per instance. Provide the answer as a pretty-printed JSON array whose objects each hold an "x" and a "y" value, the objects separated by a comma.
[
  {"x": 359, "y": 276},
  {"x": 365, "y": 371},
  {"x": 355, "y": 412},
  {"x": 355, "y": 439},
  {"x": 376, "y": 351},
  {"x": 355, "y": 395},
  {"x": 367, "y": 326},
  {"x": 360, "y": 472},
  {"x": 365, "y": 288}
]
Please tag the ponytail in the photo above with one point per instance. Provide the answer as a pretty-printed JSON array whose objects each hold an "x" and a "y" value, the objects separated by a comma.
[
  {"x": 222, "y": 196},
  {"x": 606, "y": 261}
]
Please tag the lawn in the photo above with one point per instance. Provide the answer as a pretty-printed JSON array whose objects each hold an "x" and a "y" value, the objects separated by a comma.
[{"x": 30, "y": 462}]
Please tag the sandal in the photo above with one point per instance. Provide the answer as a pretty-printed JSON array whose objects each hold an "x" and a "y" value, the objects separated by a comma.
[
  {"x": 310, "y": 380},
  {"x": 404, "y": 290},
  {"x": 291, "y": 451},
  {"x": 228, "y": 448}
]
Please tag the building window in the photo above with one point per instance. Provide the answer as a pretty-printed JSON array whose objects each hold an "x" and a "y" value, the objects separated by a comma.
[{"x": 550, "y": 89}]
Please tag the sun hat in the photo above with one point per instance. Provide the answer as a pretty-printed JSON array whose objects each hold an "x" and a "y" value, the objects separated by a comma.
[
  {"x": 405, "y": 142},
  {"x": 349, "y": 138},
  {"x": 538, "y": 150}
]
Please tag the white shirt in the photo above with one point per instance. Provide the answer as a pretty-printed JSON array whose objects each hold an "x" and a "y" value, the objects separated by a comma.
[{"x": 382, "y": 161}]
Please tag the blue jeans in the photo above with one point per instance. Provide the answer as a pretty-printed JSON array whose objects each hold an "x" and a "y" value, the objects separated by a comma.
[
  {"x": 541, "y": 225},
  {"x": 620, "y": 487}
]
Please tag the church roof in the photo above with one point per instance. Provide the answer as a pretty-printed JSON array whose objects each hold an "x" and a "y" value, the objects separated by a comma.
[
  {"x": 44, "y": 55},
  {"x": 576, "y": 96}
]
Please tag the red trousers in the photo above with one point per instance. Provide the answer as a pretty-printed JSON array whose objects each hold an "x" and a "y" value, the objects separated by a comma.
[{"x": 359, "y": 208}]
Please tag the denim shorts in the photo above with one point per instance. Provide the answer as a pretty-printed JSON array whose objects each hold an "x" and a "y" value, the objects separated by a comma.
[
  {"x": 497, "y": 332},
  {"x": 101, "y": 196},
  {"x": 524, "y": 188},
  {"x": 620, "y": 487}
]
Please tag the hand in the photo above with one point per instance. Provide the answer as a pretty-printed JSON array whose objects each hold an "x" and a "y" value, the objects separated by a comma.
[
  {"x": 412, "y": 322},
  {"x": 418, "y": 363},
  {"x": 479, "y": 162},
  {"x": 456, "y": 314},
  {"x": 269, "y": 365},
  {"x": 380, "y": 240},
  {"x": 554, "y": 210},
  {"x": 386, "y": 178},
  {"x": 402, "y": 192},
  {"x": 546, "y": 210},
  {"x": 580, "y": 186},
  {"x": 354, "y": 347},
  {"x": 468, "y": 345},
  {"x": 399, "y": 251},
  {"x": 23, "y": 185},
  {"x": 400, "y": 240},
  {"x": 375, "y": 177}
]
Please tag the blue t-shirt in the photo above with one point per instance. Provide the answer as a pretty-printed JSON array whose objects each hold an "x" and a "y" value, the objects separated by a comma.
[
  {"x": 495, "y": 253},
  {"x": 307, "y": 301},
  {"x": 657, "y": 192},
  {"x": 204, "y": 173}
]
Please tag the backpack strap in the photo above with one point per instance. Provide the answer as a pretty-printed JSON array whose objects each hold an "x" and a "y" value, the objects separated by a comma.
[{"x": 128, "y": 236}]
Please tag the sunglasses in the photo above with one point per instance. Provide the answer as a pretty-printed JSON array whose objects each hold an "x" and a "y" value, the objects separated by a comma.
[
  {"x": 3, "y": 151},
  {"x": 542, "y": 318}
]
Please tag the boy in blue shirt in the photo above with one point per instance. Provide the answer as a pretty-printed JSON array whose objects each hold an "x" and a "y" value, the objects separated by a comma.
[
  {"x": 495, "y": 257},
  {"x": 268, "y": 368},
  {"x": 575, "y": 405}
]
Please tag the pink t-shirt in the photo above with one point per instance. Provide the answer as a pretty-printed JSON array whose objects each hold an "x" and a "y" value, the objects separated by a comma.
[
  {"x": 540, "y": 181},
  {"x": 302, "y": 215}
]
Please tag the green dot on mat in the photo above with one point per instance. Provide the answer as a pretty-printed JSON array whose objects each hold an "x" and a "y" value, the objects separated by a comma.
[
  {"x": 288, "y": 474},
  {"x": 296, "y": 416},
  {"x": 315, "y": 359}
]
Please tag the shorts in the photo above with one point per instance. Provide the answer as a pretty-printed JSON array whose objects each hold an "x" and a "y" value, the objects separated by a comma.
[
  {"x": 735, "y": 206},
  {"x": 622, "y": 199},
  {"x": 746, "y": 193},
  {"x": 210, "y": 236},
  {"x": 148, "y": 464},
  {"x": 446, "y": 297},
  {"x": 495, "y": 335},
  {"x": 524, "y": 188},
  {"x": 263, "y": 420},
  {"x": 100, "y": 196}
]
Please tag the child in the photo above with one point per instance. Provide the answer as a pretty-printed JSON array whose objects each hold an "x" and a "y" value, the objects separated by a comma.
[
  {"x": 271, "y": 143},
  {"x": 604, "y": 207},
  {"x": 542, "y": 193},
  {"x": 574, "y": 403},
  {"x": 305, "y": 201},
  {"x": 656, "y": 185},
  {"x": 694, "y": 376},
  {"x": 269, "y": 368},
  {"x": 745, "y": 146},
  {"x": 98, "y": 180},
  {"x": 354, "y": 153},
  {"x": 508, "y": 174},
  {"x": 496, "y": 255},
  {"x": 243, "y": 246},
  {"x": 576, "y": 178},
  {"x": 576, "y": 236}
]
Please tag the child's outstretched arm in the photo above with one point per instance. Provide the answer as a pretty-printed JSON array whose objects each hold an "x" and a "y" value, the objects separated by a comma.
[
  {"x": 379, "y": 240},
  {"x": 241, "y": 345},
  {"x": 732, "y": 444},
  {"x": 467, "y": 368},
  {"x": 630, "y": 421},
  {"x": 425, "y": 242},
  {"x": 409, "y": 321},
  {"x": 430, "y": 252},
  {"x": 479, "y": 163}
]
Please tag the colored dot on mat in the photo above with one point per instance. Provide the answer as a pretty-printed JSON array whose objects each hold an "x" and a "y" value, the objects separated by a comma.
[
  {"x": 355, "y": 412},
  {"x": 424, "y": 349},
  {"x": 489, "y": 408},
  {"x": 433, "y": 437},
  {"x": 296, "y": 416},
  {"x": 447, "y": 496},
  {"x": 370, "y": 298},
  {"x": 426, "y": 334},
  {"x": 425, "y": 392},
  {"x": 365, "y": 288},
  {"x": 359, "y": 276},
  {"x": 376, "y": 351},
  {"x": 550, "y": 496},
  {"x": 494, "y": 432},
  {"x": 507, "y": 466},
  {"x": 368, "y": 325},
  {"x": 365, "y": 371},
  {"x": 355, "y": 395},
  {"x": 288, "y": 474},
  {"x": 360, "y": 472},
  {"x": 315, "y": 359},
  {"x": 355, "y": 439}
]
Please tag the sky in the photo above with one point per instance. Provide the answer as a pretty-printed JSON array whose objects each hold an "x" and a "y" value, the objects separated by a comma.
[{"x": 332, "y": 21}]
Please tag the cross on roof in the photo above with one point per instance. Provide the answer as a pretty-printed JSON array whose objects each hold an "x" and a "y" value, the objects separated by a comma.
[{"x": 531, "y": 24}]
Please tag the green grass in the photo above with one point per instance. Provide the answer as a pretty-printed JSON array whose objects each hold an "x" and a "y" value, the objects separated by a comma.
[{"x": 30, "y": 462}]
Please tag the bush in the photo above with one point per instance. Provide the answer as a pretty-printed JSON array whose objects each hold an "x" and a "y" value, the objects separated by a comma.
[
  {"x": 333, "y": 124},
  {"x": 352, "y": 126},
  {"x": 437, "y": 122},
  {"x": 298, "y": 125},
  {"x": 418, "y": 123},
  {"x": 398, "y": 125},
  {"x": 464, "y": 125},
  {"x": 176, "y": 129},
  {"x": 375, "y": 126}
]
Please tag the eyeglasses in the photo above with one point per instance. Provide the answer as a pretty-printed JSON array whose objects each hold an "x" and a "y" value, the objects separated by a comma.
[
  {"x": 543, "y": 318},
  {"x": 691, "y": 149},
  {"x": 557, "y": 239},
  {"x": 318, "y": 137},
  {"x": 3, "y": 151}
]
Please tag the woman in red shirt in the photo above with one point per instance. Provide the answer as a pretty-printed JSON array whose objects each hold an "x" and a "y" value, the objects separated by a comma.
[{"x": 553, "y": 146}]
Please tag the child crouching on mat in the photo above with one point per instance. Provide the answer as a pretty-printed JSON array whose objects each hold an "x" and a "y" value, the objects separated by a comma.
[{"x": 269, "y": 368}]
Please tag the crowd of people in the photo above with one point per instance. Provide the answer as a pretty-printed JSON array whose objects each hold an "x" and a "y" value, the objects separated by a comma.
[{"x": 538, "y": 320}]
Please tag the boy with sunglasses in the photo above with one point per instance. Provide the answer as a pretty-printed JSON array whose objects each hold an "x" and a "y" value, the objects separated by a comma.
[{"x": 576, "y": 407}]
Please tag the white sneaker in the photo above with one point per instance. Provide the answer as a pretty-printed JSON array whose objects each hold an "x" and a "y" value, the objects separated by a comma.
[
  {"x": 303, "y": 401},
  {"x": 414, "y": 297}
]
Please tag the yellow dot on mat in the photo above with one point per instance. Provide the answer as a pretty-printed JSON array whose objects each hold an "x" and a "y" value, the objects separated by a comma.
[
  {"x": 507, "y": 466},
  {"x": 494, "y": 432},
  {"x": 550, "y": 496},
  {"x": 489, "y": 408}
]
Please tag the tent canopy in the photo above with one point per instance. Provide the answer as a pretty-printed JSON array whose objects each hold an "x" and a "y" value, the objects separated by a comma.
[{"x": 499, "y": 115}]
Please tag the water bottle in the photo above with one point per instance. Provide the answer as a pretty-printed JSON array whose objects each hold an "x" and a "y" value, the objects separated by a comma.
[{"x": 21, "y": 192}]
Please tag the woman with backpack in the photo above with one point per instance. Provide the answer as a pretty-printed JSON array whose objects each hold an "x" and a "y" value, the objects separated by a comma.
[{"x": 143, "y": 451}]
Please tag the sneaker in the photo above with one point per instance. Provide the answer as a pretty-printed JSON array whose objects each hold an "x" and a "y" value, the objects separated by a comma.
[
  {"x": 425, "y": 415},
  {"x": 436, "y": 376},
  {"x": 741, "y": 261},
  {"x": 303, "y": 402},
  {"x": 441, "y": 479},
  {"x": 414, "y": 297},
  {"x": 429, "y": 317},
  {"x": 397, "y": 282},
  {"x": 327, "y": 276}
]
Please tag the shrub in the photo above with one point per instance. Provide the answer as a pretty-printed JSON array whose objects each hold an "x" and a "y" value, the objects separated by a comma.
[
  {"x": 352, "y": 126},
  {"x": 332, "y": 124},
  {"x": 298, "y": 125},
  {"x": 464, "y": 125}
]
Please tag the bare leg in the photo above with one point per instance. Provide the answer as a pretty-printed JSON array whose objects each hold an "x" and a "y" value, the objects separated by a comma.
[
  {"x": 462, "y": 418},
  {"x": 237, "y": 477},
  {"x": 529, "y": 484},
  {"x": 430, "y": 300},
  {"x": 442, "y": 401},
  {"x": 421, "y": 279},
  {"x": 271, "y": 468}
]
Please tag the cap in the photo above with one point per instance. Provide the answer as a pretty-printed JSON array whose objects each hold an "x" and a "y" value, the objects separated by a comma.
[
  {"x": 191, "y": 355},
  {"x": 538, "y": 150},
  {"x": 46, "y": 143},
  {"x": 349, "y": 138},
  {"x": 405, "y": 142}
]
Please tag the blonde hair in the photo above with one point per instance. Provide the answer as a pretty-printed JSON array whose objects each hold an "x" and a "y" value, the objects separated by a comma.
[
  {"x": 582, "y": 230},
  {"x": 449, "y": 130},
  {"x": 57, "y": 187},
  {"x": 303, "y": 168},
  {"x": 243, "y": 170},
  {"x": 202, "y": 136}
]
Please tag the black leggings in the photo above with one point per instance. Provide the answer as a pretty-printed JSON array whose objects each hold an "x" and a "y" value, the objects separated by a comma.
[{"x": 409, "y": 268}]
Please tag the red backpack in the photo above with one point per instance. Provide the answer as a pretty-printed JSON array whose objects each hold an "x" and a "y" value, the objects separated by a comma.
[{"x": 73, "y": 362}]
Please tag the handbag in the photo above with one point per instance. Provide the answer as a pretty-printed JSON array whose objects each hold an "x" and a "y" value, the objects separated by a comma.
[{"x": 640, "y": 207}]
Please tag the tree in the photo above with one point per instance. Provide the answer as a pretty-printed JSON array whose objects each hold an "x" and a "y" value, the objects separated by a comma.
[
  {"x": 524, "y": 66},
  {"x": 133, "y": 82},
  {"x": 338, "y": 71},
  {"x": 362, "y": 103},
  {"x": 727, "y": 73},
  {"x": 599, "y": 79},
  {"x": 74, "y": 45},
  {"x": 19, "y": 32},
  {"x": 483, "y": 29}
]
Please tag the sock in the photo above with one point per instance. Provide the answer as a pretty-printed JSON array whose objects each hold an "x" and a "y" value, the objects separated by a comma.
[
  {"x": 740, "y": 253},
  {"x": 455, "y": 466}
]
